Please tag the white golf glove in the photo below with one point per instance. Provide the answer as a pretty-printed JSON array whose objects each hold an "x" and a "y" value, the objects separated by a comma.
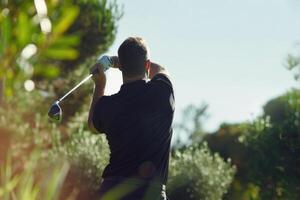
[{"x": 106, "y": 62}]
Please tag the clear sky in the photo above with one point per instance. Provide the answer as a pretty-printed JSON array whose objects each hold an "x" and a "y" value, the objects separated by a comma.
[{"x": 227, "y": 53}]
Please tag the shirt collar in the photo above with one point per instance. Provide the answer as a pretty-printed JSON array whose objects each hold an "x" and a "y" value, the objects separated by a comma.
[{"x": 133, "y": 85}]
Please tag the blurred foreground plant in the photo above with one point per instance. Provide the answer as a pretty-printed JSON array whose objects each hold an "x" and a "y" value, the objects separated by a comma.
[
  {"x": 40, "y": 39},
  {"x": 34, "y": 181},
  {"x": 22, "y": 130}
]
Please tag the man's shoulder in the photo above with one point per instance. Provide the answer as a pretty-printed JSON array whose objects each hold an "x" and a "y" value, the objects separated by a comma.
[
  {"x": 107, "y": 99},
  {"x": 162, "y": 80}
]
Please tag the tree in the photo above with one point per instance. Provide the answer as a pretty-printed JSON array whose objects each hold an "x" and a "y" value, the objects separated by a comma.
[
  {"x": 274, "y": 143},
  {"x": 225, "y": 141},
  {"x": 265, "y": 151},
  {"x": 293, "y": 63},
  {"x": 39, "y": 40}
]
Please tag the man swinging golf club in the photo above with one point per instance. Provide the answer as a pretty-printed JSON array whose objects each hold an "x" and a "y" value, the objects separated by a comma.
[{"x": 137, "y": 123}]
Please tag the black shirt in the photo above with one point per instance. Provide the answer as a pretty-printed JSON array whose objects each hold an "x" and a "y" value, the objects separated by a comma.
[{"x": 137, "y": 122}]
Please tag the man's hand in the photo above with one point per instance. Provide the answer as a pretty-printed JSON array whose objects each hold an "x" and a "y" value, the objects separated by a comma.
[
  {"x": 156, "y": 69},
  {"x": 116, "y": 63},
  {"x": 98, "y": 74}
]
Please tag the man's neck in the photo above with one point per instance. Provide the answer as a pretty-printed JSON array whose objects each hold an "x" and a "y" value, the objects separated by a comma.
[{"x": 132, "y": 79}]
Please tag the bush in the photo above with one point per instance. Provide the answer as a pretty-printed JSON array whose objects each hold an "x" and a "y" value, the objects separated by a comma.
[
  {"x": 197, "y": 174},
  {"x": 23, "y": 131},
  {"x": 225, "y": 142},
  {"x": 87, "y": 154},
  {"x": 274, "y": 143}
]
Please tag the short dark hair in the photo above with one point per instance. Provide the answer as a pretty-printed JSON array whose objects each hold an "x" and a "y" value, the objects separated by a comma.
[{"x": 133, "y": 53}]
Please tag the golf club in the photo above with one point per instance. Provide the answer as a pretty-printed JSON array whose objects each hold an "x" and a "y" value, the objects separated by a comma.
[{"x": 55, "y": 111}]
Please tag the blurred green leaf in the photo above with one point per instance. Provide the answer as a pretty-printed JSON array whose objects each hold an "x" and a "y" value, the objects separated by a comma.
[
  {"x": 10, "y": 185},
  {"x": 66, "y": 20},
  {"x": 61, "y": 53},
  {"x": 47, "y": 71},
  {"x": 70, "y": 40},
  {"x": 80, "y": 30},
  {"x": 6, "y": 33},
  {"x": 55, "y": 182},
  {"x": 23, "y": 29}
]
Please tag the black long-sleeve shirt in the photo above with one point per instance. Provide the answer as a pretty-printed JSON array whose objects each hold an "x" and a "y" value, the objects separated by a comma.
[{"x": 137, "y": 122}]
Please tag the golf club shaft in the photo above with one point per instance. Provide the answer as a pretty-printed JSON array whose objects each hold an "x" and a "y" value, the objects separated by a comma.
[{"x": 74, "y": 88}]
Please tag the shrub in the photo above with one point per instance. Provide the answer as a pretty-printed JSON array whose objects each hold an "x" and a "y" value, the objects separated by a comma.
[
  {"x": 34, "y": 181},
  {"x": 23, "y": 130},
  {"x": 87, "y": 153},
  {"x": 197, "y": 174}
]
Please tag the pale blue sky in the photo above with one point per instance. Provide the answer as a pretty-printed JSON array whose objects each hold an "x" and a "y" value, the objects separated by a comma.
[{"x": 227, "y": 53}]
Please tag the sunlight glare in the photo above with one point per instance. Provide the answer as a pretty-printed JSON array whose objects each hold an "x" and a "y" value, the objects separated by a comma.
[
  {"x": 114, "y": 81},
  {"x": 29, "y": 85},
  {"x": 41, "y": 7},
  {"x": 46, "y": 25},
  {"x": 29, "y": 51}
]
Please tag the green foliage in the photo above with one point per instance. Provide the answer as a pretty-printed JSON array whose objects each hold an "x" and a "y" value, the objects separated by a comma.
[
  {"x": 23, "y": 184},
  {"x": 293, "y": 63},
  {"x": 197, "y": 174},
  {"x": 88, "y": 154},
  {"x": 26, "y": 49},
  {"x": 274, "y": 144},
  {"x": 96, "y": 24},
  {"x": 79, "y": 30},
  {"x": 225, "y": 141},
  {"x": 38, "y": 43}
]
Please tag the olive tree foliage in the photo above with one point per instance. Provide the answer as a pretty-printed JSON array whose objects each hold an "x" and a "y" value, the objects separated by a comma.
[
  {"x": 274, "y": 144},
  {"x": 40, "y": 39},
  {"x": 196, "y": 173},
  {"x": 293, "y": 63},
  {"x": 87, "y": 154}
]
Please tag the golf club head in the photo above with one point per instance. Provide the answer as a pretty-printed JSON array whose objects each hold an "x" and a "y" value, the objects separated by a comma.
[{"x": 55, "y": 112}]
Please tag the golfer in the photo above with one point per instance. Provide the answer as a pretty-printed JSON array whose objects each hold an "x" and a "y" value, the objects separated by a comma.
[{"x": 137, "y": 123}]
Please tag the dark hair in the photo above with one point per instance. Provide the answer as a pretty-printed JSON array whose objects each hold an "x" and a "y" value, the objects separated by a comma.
[{"x": 133, "y": 53}]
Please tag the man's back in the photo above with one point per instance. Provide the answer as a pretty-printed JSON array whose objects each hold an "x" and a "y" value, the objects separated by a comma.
[{"x": 137, "y": 122}]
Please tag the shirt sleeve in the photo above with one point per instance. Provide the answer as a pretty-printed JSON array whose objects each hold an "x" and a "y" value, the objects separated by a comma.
[
  {"x": 98, "y": 120},
  {"x": 163, "y": 92},
  {"x": 163, "y": 80}
]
